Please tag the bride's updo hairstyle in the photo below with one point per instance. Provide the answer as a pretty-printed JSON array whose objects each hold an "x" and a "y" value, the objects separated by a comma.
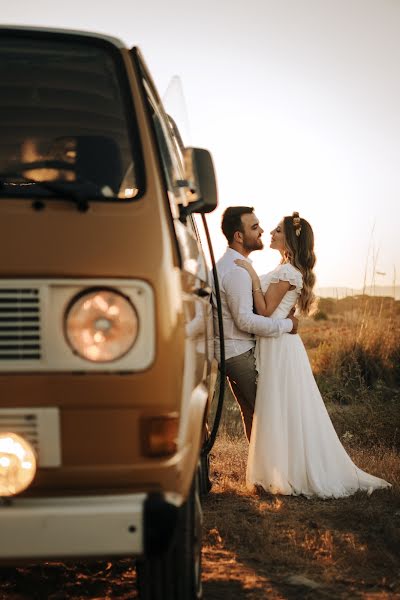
[{"x": 299, "y": 251}]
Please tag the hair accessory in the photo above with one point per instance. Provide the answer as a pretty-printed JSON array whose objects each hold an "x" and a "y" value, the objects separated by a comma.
[{"x": 296, "y": 223}]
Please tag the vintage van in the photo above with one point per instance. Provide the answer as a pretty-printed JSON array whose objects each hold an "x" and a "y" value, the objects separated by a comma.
[{"x": 106, "y": 372}]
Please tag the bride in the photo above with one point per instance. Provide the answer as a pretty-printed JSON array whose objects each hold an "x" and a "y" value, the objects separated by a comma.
[{"x": 294, "y": 448}]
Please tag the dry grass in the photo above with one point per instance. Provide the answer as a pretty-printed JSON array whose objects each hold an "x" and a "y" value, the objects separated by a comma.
[{"x": 354, "y": 352}]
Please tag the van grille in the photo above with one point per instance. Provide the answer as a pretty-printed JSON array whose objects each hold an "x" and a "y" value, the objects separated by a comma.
[
  {"x": 23, "y": 423},
  {"x": 20, "y": 331},
  {"x": 40, "y": 427}
]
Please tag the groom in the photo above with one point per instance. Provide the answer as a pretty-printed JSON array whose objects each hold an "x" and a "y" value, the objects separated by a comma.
[{"x": 243, "y": 233}]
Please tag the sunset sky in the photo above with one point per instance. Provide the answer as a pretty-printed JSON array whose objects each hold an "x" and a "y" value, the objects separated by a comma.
[{"x": 298, "y": 101}]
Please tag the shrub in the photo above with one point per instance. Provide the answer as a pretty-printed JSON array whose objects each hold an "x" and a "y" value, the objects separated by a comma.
[
  {"x": 350, "y": 363},
  {"x": 320, "y": 315}
]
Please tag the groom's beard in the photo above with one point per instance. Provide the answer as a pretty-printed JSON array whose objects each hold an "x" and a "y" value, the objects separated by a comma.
[{"x": 251, "y": 245}]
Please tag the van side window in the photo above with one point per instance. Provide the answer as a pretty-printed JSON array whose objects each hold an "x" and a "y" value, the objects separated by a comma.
[
  {"x": 171, "y": 160},
  {"x": 198, "y": 227},
  {"x": 170, "y": 149}
]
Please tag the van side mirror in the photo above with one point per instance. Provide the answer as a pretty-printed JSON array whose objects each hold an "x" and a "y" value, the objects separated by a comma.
[{"x": 200, "y": 176}]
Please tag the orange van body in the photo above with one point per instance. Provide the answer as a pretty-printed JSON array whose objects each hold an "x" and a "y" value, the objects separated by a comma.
[{"x": 127, "y": 430}]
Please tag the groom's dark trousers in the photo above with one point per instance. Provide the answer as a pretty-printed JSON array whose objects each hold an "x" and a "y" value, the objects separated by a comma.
[{"x": 242, "y": 377}]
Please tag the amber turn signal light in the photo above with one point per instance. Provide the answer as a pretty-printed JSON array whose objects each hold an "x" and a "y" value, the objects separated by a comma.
[{"x": 159, "y": 435}]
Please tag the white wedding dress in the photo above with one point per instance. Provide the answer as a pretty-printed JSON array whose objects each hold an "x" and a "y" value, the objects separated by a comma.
[{"x": 294, "y": 448}]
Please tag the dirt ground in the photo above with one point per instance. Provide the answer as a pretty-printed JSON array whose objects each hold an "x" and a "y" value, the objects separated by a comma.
[
  {"x": 262, "y": 546},
  {"x": 309, "y": 550}
]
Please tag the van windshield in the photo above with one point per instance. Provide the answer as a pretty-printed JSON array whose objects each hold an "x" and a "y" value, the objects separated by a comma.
[{"x": 63, "y": 121}]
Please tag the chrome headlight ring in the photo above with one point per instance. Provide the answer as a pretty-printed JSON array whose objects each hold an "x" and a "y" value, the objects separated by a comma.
[{"x": 101, "y": 325}]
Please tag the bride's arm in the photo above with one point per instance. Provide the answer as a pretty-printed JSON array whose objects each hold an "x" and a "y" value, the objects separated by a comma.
[
  {"x": 264, "y": 304},
  {"x": 273, "y": 296}
]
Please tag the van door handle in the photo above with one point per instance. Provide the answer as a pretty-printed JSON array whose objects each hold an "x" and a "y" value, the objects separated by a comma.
[{"x": 203, "y": 292}]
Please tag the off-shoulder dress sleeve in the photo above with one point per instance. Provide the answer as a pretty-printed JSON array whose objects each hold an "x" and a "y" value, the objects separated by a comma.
[{"x": 288, "y": 272}]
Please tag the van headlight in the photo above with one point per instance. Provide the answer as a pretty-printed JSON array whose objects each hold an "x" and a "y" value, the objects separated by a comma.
[
  {"x": 17, "y": 464},
  {"x": 101, "y": 325}
]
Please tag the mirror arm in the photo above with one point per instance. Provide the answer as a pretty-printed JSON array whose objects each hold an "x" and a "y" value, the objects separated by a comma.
[
  {"x": 185, "y": 211},
  {"x": 182, "y": 183}
]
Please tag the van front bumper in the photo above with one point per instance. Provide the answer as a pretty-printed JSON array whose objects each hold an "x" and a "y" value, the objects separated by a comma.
[{"x": 84, "y": 526}]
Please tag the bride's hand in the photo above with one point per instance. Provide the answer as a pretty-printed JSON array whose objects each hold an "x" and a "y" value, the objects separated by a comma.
[{"x": 245, "y": 265}]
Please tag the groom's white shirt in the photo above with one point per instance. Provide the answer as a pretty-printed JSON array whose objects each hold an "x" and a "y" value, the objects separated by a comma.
[{"x": 239, "y": 320}]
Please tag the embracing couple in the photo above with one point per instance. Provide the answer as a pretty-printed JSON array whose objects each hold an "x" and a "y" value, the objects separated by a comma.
[{"x": 294, "y": 448}]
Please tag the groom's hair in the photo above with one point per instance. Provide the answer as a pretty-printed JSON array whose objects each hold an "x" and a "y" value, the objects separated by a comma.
[{"x": 232, "y": 220}]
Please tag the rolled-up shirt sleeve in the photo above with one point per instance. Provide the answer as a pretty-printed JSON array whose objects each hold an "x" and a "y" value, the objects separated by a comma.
[{"x": 239, "y": 297}]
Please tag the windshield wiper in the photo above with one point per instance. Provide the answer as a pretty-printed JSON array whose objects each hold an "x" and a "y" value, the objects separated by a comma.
[{"x": 77, "y": 191}]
